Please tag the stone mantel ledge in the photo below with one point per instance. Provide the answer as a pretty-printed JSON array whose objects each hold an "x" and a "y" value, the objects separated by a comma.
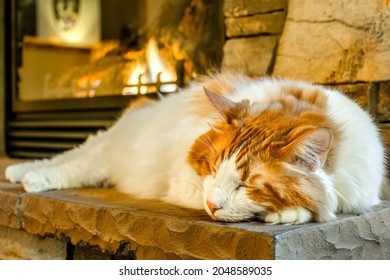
[{"x": 107, "y": 219}]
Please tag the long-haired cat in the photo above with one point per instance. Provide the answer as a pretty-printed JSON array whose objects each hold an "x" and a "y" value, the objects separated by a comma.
[{"x": 272, "y": 149}]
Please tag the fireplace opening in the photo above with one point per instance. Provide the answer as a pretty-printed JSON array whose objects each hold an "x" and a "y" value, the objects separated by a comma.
[{"x": 74, "y": 65}]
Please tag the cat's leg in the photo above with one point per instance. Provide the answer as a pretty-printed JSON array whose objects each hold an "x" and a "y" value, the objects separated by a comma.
[
  {"x": 15, "y": 172},
  {"x": 82, "y": 166},
  {"x": 293, "y": 215}
]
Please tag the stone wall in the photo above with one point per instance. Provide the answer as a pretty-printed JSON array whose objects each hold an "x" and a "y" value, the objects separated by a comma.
[
  {"x": 336, "y": 41},
  {"x": 340, "y": 43},
  {"x": 252, "y": 30}
]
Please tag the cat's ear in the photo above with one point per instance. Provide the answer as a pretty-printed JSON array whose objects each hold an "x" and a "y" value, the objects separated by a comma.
[
  {"x": 227, "y": 108},
  {"x": 313, "y": 147}
]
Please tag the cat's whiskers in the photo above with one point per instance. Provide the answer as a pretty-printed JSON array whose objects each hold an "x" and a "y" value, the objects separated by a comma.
[
  {"x": 210, "y": 148},
  {"x": 199, "y": 185},
  {"x": 213, "y": 148},
  {"x": 209, "y": 161}
]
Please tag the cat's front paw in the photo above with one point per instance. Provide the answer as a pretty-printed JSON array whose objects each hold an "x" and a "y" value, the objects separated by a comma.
[
  {"x": 15, "y": 173},
  {"x": 294, "y": 215},
  {"x": 42, "y": 179}
]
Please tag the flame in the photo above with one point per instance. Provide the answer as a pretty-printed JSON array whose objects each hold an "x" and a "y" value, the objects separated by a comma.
[
  {"x": 137, "y": 72},
  {"x": 156, "y": 65},
  {"x": 149, "y": 72}
]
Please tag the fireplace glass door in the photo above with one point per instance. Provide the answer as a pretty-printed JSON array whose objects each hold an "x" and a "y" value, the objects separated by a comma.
[
  {"x": 74, "y": 65},
  {"x": 80, "y": 49}
]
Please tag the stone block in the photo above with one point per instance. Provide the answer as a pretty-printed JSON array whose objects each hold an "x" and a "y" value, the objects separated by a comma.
[
  {"x": 238, "y": 8},
  {"x": 108, "y": 219},
  {"x": 383, "y": 110},
  {"x": 252, "y": 56},
  {"x": 271, "y": 23},
  {"x": 10, "y": 197},
  {"x": 9, "y": 201},
  {"x": 17, "y": 244},
  {"x": 333, "y": 41},
  {"x": 362, "y": 237}
]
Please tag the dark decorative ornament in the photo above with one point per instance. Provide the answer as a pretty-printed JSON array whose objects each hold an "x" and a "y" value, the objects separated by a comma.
[{"x": 66, "y": 13}]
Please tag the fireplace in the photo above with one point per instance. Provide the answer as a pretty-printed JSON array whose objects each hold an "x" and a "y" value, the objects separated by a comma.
[{"x": 74, "y": 65}]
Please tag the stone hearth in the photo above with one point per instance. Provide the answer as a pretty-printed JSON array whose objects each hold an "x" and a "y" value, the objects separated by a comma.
[{"x": 104, "y": 224}]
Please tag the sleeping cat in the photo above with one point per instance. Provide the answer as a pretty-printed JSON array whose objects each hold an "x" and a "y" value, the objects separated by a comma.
[{"x": 271, "y": 149}]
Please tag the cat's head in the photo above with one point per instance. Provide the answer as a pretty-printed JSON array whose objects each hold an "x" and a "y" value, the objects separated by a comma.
[{"x": 260, "y": 161}]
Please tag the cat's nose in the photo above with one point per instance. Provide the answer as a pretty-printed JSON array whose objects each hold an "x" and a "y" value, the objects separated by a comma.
[{"x": 212, "y": 206}]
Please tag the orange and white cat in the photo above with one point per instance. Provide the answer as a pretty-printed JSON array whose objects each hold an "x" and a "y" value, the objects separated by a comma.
[{"x": 271, "y": 149}]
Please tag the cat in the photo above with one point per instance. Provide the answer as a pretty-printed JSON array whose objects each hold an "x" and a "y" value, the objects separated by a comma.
[{"x": 241, "y": 148}]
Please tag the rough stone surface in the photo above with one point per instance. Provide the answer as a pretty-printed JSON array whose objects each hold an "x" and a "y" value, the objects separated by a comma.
[
  {"x": 106, "y": 218},
  {"x": 384, "y": 102},
  {"x": 10, "y": 198},
  {"x": 9, "y": 209},
  {"x": 238, "y": 8},
  {"x": 335, "y": 41},
  {"x": 252, "y": 56},
  {"x": 271, "y": 23},
  {"x": 17, "y": 244},
  {"x": 363, "y": 237},
  {"x": 105, "y": 224}
]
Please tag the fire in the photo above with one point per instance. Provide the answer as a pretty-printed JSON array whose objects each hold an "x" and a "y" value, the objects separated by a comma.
[
  {"x": 149, "y": 71},
  {"x": 137, "y": 76}
]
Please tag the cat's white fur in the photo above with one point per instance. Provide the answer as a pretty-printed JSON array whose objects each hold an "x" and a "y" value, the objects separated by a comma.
[{"x": 145, "y": 154}]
